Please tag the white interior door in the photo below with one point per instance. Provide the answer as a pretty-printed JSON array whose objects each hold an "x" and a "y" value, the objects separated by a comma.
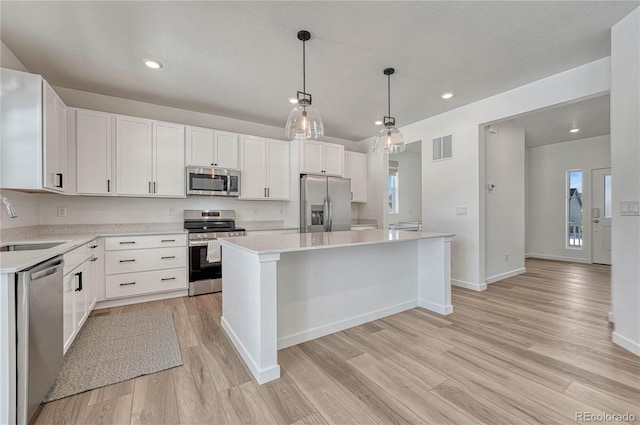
[{"x": 601, "y": 215}]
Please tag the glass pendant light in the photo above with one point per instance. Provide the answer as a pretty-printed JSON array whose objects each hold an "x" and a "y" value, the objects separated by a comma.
[
  {"x": 389, "y": 139},
  {"x": 304, "y": 120}
]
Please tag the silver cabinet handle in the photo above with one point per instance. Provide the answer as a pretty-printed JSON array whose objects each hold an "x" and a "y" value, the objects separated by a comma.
[
  {"x": 168, "y": 257},
  {"x": 127, "y": 261},
  {"x": 127, "y": 284},
  {"x": 108, "y": 186},
  {"x": 168, "y": 240},
  {"x": 127, "y": 243},
  {"x": 168, "y": 278}
]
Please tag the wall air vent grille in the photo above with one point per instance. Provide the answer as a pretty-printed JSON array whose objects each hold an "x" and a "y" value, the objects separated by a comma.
[{"x": 443, "y": 147}]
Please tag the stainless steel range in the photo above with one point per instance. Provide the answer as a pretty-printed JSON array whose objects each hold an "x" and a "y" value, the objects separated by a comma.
[{"x": 205, "y": 267}]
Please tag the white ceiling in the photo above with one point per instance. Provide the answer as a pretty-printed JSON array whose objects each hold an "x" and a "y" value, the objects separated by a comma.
[
  {"x": 553, "y": 125},
  {"x": 243, "y": 60}
]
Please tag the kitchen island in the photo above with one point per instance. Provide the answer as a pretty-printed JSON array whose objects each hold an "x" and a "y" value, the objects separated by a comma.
[{"x": 281, "y": 290}]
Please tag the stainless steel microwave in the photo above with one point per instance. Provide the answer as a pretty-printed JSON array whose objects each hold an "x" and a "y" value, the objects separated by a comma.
[{"x": 213, "y": 181}]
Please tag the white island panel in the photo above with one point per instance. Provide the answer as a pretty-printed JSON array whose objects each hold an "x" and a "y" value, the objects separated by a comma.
[{"x": 281, "y": 290}]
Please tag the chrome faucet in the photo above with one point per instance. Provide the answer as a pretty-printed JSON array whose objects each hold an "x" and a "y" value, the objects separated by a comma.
[{"x": 7, "y": 203}]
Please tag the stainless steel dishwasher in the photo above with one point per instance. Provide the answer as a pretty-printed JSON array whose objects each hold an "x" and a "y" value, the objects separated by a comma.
[{"x": 38, "y": 333}]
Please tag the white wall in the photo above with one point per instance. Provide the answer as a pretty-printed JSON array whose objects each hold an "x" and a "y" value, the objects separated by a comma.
[
  {"x": 546, "y": 206},
  {"x": 459, "y": 181},
  {"x": 410, "y": 187},
  {"x": 625, "y": 179},
  {"x": 26, "y": 206},
  {"x": 504, "y": 205},
  {"x": 9, "y": 60}
]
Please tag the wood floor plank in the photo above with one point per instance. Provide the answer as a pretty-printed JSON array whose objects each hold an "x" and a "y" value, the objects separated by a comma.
[
  {"x": 154, "y": 400},
  {"x": 70, "y": 410},
  {"x": 199, "y": 402},
  {"x": 107, "y": 412},
  {"x": 244, "y": 405},
  {"x": 285, "y": 401},
  {"x": 315, "y": 419}
]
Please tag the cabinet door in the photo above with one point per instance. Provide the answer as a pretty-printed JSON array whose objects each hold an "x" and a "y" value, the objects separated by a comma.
[
  {"x": 50, "y": 173},
  {"x": 80, "y": 310},
  {"x": 253, "y": 168},
  {"x": 311, "y": 157},
  {"x": 60, "y": 150},
  {"x": 278, "y": 169},
  {"x": 347, "y": 165},
  {"x": 93, "y": 152},
  {"x": 168, "y": 148},
  {"x": 333, "y": 159},
  {"x": 226, "y": 150},
  {"x": 134, "y": 156},
  {"x": 200, "y": 146},
  {"x": 358, "y": 169},
  {"x": 68, "y": 301}
]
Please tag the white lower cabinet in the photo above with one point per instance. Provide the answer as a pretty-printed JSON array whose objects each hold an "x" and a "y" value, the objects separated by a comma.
[
  {"x": 79, "y": 291},
  {"x": 142, "y": 265}
]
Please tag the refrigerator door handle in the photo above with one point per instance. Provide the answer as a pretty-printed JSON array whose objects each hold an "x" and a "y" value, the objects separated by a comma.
[
  {"x": 325, "y": 214},
  {"x": 330, "y": 215}
]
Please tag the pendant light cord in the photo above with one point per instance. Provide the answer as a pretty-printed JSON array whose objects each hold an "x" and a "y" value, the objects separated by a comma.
[
  {"x": 304, "y": 67},
  {"x": 389, "y": 94}
]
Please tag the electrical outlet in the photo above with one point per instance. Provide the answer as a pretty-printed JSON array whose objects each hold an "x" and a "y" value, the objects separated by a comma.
[
  {"x": 171, "y": 211},
  {"x": 461, "y": 211},
  {"x": 62, "y": 211}
]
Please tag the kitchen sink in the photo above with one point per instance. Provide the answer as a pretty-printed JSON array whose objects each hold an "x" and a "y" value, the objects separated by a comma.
[{"x": 29, "y": 246}]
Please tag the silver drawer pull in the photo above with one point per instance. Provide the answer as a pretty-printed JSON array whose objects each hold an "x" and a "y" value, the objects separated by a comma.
[
  {"x": 126, "y": 243},
  {"x": 168, "y": 278},
  {"x": 168, "y": 240},
  {"x": 127, "y": 284},
  {"x": 168, "y": 258},
  {"x": 127, "y": 261}
]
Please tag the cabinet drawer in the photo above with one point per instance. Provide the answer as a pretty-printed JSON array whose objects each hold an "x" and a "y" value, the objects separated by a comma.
[
  {"x": 74, "y": 258},
  {"x": 133, "y": 284},
  {"x": 141, "y": 242},
  {"x": 138, "y": 260}
]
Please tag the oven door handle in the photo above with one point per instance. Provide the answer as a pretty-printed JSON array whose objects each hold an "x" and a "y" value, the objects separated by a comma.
[
  {"x": 228, "y": 177},
  {"x": 199, "y": 243}
]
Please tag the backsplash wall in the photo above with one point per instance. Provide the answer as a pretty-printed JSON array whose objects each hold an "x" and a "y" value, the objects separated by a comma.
[{"x": 26, "y": 206}]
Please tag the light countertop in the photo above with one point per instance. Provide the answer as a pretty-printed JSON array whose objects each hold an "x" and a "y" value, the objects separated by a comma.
[
  {"x": 271, "y": 244},
  {"x": 16, "y": 261}
]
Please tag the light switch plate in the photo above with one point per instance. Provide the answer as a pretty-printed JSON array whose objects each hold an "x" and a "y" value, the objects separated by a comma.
[
  {"x": 62, "y": 211},
  {"x": 629, "y": 207}
]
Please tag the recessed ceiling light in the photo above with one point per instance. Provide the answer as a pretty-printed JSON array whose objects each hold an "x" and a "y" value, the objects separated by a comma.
[
  {"x": 153, "y": 64},
  {"x": 293, "y": 100},
  {"x": 447, "y": 95},
  {"x": 574, "y": 130},
  {"x": 378, "y": 122}
]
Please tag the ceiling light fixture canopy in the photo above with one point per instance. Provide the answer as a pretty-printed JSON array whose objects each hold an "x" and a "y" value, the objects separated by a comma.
[
  {"x": 153, "y": 64},
  {"x": 304, "y": 120},
  {"x": 574, "y": 130},
  {"x": 389, "y": 139}
]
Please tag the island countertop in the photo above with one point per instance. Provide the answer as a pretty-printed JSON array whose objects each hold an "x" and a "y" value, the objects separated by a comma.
[{"x": 272, "y": 244}]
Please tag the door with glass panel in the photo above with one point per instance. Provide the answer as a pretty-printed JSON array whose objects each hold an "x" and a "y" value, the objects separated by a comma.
[{"x": 601, "y": 215}]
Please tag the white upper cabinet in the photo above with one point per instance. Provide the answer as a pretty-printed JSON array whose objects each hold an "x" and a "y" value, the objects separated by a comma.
[
  {"x": 94, "y": 146},
  {"x": 321, "y": 158},
  {"x": 150, "y": 158},
  {"x": 264, "y": 167},
  {"x": 211, "y": 148},
  {"x": 54, "y": 140},
  {"x": 355, "y": 168},
  {"x": 168, "y": 160}
]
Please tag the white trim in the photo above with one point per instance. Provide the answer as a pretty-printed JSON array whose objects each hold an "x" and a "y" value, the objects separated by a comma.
[
  {"x": 140, "y": 299},
  {"x": 558, "y": 258},
  {"x": 261, "y": 375},
  {"x": 330, "y": 328},
  {"x": 626, "y": 343},
  {"x": 501, "y": 276},
  {"x": 469, "y": 285},
  {"x": 441, "y": 309},
  {"x": 610, "y": 317}
]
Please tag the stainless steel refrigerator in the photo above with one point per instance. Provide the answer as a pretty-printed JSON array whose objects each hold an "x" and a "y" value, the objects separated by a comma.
[{"x": 325, "y": 204}]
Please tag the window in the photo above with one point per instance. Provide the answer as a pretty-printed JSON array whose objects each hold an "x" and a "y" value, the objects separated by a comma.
[
  {"x": 443, "y": 147},
  {"x": 574, "y": 208},
  {"x": 394, "y": 207}
]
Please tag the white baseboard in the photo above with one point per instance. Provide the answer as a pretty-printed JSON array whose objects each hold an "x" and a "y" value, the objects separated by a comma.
[
  {"x": 261, "y": 375},
  {"x": 506, "y": 275},
  {"x": 441, "y": 309},
  {"x": 626, "y": 343},
  {"x": 140, "y": 299},
  {"x": 469, "y": 285},
  {"x": 308, "y": 335},
  {"x": 558, "y": 258}
]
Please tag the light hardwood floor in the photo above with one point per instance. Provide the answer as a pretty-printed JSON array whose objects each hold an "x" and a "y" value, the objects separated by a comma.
[{"x": 531, "y": 349}]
